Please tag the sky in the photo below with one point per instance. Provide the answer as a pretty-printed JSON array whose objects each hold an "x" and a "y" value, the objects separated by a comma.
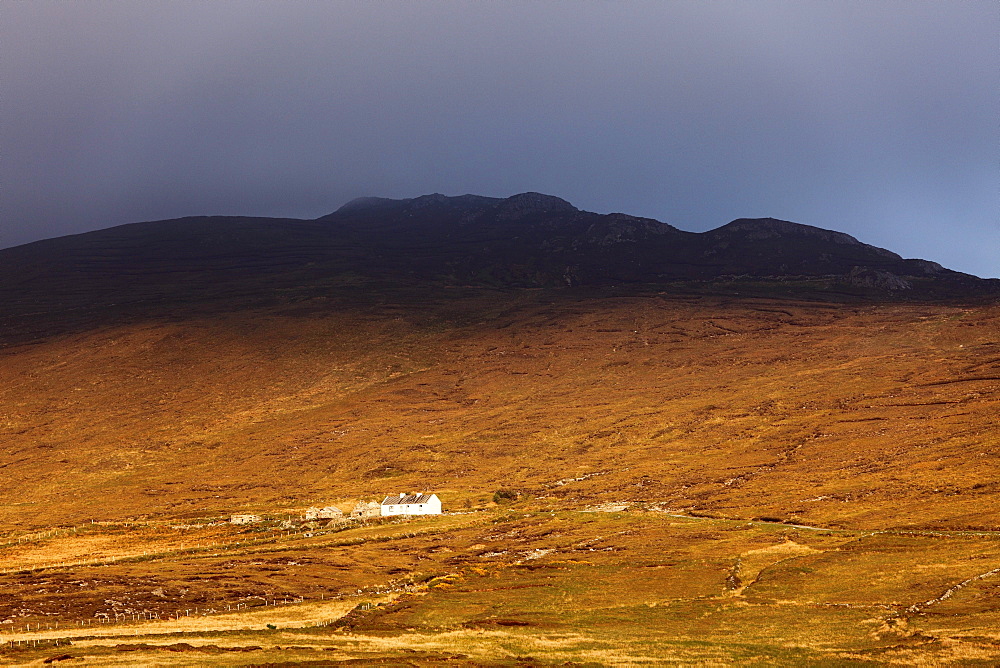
[{"x": 877, "y": 118}]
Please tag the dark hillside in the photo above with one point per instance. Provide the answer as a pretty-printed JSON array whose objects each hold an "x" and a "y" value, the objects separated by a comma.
[{"x": 219, "y": 264}]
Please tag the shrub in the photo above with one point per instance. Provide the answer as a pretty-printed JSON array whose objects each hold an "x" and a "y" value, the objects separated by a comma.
[{"x": 502, "y": 495}]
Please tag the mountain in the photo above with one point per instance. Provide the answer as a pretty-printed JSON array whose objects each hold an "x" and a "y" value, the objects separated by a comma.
[
  {"x": 525, "y": 241},
  {"x": 533, "y": 239},
  {"x": 764, "y": 444}
]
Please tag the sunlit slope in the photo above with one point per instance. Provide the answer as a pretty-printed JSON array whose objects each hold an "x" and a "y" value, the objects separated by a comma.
[{"x": 838, "y": 415}]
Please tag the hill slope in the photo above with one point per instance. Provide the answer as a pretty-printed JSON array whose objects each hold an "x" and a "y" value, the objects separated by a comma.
[
  {"x": 160, "y": 376},
  {"x": 856, "y": 415}
]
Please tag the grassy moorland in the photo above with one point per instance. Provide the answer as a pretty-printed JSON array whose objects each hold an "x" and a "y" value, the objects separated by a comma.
[
  {"x": 862, "y": 416},
  {"x": 514, "y": 585},
  {"x": 793, "y": 482}
]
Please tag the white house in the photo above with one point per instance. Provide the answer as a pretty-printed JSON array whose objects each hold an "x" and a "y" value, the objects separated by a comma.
[{"x": 411, "y": 504}]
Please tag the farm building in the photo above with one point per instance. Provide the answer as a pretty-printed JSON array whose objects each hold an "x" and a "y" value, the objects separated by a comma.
[
  {"x": 411, "y": 504},
  {"x": 367, "y": 509},
  {"x": 245, "y": 518},
  {"x": 327, "y": 513}
]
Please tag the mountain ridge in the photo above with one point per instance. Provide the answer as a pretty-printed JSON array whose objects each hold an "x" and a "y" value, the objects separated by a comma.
[{"x": 529, "y": 240}]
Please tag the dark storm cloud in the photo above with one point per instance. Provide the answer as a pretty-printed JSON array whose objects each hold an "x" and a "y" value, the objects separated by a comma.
[{"x": 876, "y": 118}]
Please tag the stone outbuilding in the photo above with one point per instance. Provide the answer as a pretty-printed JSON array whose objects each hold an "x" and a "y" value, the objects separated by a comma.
[
  {"x": 327, "y": 513},
  {"x": 245, "y": 518},
  {"x": 366, "y": 509}
]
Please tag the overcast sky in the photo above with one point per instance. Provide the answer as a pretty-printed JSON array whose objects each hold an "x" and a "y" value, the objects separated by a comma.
[{"x": 880, "y": 119}]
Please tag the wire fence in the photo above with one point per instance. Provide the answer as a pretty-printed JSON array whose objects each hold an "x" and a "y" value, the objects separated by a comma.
[
  {"x": 122, "y": 619},
  {"x": 183, "y": 548},
  {"x": 112, "y": 619},
  {"x": 205, "y": 548}
]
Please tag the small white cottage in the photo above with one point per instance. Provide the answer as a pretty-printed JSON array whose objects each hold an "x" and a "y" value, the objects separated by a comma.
[
  {"x": 411, "y": 504},
  {"x": 245, "y": 518}
]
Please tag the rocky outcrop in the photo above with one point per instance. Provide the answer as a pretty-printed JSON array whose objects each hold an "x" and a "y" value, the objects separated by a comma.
[
  {"x": 759, "y": 229},
  {"x": 531, "y": 203},
  {"x": 619, "y": 228},
  {"x": 880, "y": 280}
]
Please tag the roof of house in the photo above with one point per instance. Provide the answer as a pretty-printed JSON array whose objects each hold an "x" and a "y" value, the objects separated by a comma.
[{"x": 406, "y": 499}]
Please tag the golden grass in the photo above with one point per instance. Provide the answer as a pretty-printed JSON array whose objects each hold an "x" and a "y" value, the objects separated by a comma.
[
  {"x": 874, "y": 423},
  {"x": 611, "y": 588},
  {"x": 864, "y": 416}
]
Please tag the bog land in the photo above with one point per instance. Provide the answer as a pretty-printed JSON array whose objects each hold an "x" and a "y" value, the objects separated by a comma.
[{"x": 703, "y": 479}]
